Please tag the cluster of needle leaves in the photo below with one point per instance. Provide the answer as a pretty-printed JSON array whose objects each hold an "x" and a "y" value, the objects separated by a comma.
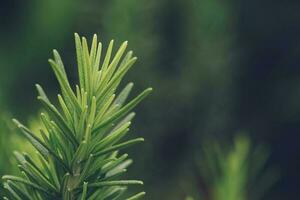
[
  {"x": 79, "y": 141},
  {"x": 236, "y": 172}
]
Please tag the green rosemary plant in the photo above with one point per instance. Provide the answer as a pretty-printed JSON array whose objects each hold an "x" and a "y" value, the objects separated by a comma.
[
  {"x": 79, "y": 142},
  {"x": 235, "y": 172}
]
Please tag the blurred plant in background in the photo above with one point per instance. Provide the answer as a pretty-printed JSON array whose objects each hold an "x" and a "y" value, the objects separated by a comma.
[
  {"x": 28, "y": 36},
  {"x": 11, "y": 140},
  {"x": 234, "y": 172},
  {"x": 8, "y": 142}
]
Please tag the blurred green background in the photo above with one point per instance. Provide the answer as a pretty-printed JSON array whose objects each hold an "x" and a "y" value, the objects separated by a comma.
[{"x": 217, "y": 67}]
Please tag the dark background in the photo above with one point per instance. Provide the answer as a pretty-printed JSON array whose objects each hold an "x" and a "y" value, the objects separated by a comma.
[{"x": 218, "y": 67}]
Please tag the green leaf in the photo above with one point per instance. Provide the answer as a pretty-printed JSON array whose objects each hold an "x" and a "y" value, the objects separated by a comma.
[
  {"x": 26, "y": 182},
  {"x": 64, "y": 84},
  {"x": 115, "y": 183},
  {"x": 56, "y": 116},
  {"x": 124, "y": 94},
  {"x": 42, "y": 93},
  {"x": 137, "y": 196},
  {"x": 79, "y": 60},
  {"x": 123, "y": 111},
  {"x": 84, "y": 191},
  {"x": 115, "y": 61},
  {"x": 113, "y": 137},
  {"x": 37, "y": 143},
  {"x": 119, "y": 146}
]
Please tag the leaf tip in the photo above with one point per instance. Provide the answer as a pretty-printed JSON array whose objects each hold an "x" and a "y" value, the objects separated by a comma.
[
  {"x": 17, "y": 123},
  {"x": 55, "y": 52}
]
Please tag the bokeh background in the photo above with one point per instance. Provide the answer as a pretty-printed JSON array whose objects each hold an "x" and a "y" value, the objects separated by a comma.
[{"x": 218, "y": 68}]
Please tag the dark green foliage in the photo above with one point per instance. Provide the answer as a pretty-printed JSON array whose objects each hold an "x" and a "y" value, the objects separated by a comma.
[
  {"x": 78, "y": 144},
  {"x": 7, "y": 136},
  {"x": 235, "y": 172}
]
